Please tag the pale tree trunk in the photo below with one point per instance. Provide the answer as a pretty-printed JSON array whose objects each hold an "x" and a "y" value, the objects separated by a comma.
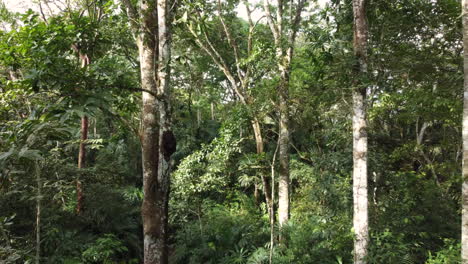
[
  {"x": 157, "y": 140},
  {"x": 85, "y": 61},
  {"x": 284, "y": 138},
  {"x": 284, "y": 39},
  {"x": 212, "y": 111},
  {"x": 272, "y": 218},
  {"x": 38, "y": 212},
  {"x": 266, "y": 184},
  {"x": 464, "y": 235},
  {"x": 81, "y": 163},
  {"x": 150, "y": 211},
  {"x": 360, "y": 203},
  {"x": 167, "y": 142},
  {"x": 95, "y": 128},
  {"x": 154, "y": 239},
  {"x": 199, "y": 113}
]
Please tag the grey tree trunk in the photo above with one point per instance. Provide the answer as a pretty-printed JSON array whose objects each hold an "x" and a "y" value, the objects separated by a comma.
[
  {"x": 212, "y": 111},
  {"x": 464, "y": 235},
  {"x": 284, "y": 44},
  {"x": 151, "y": 27},
  {"x": 266, "y": 184},
  {"x": 360, "y": 204},
  {"x": 150, "y": 210},
  {"x": 272, "y": 218},
  {"x": 38, "y": 212},
  {"x": 81, "y": 164},
  {"x": 284, "y": 138},
  {"x": 85, "y": 61}
]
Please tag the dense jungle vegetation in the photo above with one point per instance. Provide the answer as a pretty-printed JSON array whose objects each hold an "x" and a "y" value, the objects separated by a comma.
[{"x": 233, "y": 131}]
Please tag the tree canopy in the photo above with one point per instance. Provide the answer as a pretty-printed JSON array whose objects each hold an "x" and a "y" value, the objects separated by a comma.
[{"x": 248, "y": 115}]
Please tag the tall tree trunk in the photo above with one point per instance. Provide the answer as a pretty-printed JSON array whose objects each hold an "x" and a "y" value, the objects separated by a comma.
[
  {"x": 360, "y": 208},
  {"x": 158, "y": 142},
  {"x": 38, "y": 212},
  {"x": 272, "y": 218},
  {"x": 85, "y": 61},
  {"x": 167, "y": 142},
  {"x": 84, "y": 137},
  {"x": 81, "y": 163},
  {"x": 266, "y": 184},
  {"x": 464, "y": 235},
  {"x": 284, "y": 138},
  {"x": 284, "y": 37},
  {"x": 150, "y": 211},
  {"x": 212, "y": 111}
]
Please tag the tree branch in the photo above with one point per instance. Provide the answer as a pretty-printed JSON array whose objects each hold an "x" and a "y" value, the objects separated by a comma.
[
  {"x": 132, "y": 14},
  {"x": 232, "y": 43},
  {"x": 218, "y": 60},
  {"x": 271, "y": 23},
  {"x": 279, "y": 19}
]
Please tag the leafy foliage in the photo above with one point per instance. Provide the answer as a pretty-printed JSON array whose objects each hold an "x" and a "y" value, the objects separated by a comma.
[{"x": 218, "y": 212}]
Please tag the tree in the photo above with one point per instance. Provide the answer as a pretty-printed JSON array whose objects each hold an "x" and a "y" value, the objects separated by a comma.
[
  {"x": 151, "y": 27},
  {"x": 464, "y": 198},
  {"x": 284, "y": 36},
  {"x": 240, "y": 71},
  {"x": 360, "y": 217}
]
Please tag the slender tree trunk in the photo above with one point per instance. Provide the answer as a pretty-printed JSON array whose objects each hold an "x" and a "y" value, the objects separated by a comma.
[
  {"x": 95, "y": 128},
  {"x": 38, "y": 213},
  {"x": 272, "y": 216},
  {"x": 284, "y": 138},
  {"x": 199, "y": 113},
  {"x": 85, "y": 61},
  {"x": 256, "y": 193},
  {"x": 260, "y": 149},
  {"x": 360, "y": 208},
  {"x": 212, "y": 111},
  {"x": 84, "y": 137},
  {"x": 81, "y": 163},
  {"x": 464, "y": 235},
  {"x": 284, "y": 36}
]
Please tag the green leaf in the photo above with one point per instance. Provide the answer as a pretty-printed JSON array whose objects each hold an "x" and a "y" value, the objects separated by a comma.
[{"x": 30, "y": 154}]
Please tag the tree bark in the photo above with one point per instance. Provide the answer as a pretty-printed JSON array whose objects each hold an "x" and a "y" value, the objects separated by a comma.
[
  {"x": 81, "y": 163},
  {"x": 284, "y": 39},
  {"x": 153, "y": 207},
  {"x": 84, "y": 137},
  {"x": 157, "y": 140},
  {"x": 272, "y": 212},
  {"x": 85, "y": 61},
  {"x": 284, "y": 139},
  {"x": 151, "y": 211},
  {"x": 38, "y": 212},
  {"x": 360, "y": 204},
  {"x": 464, "y": 231},
  {"x": 212, "y": 111},
  {"x": 266, "y": 184}
]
